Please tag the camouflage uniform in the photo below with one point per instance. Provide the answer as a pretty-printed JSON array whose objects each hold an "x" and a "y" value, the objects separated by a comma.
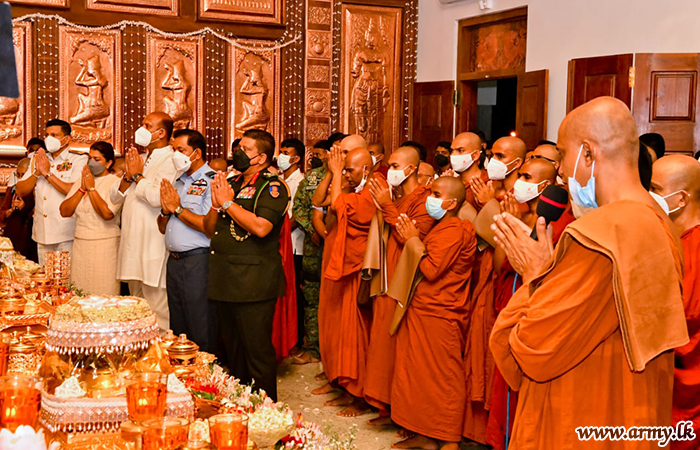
[{"x": 311, "y": 264}]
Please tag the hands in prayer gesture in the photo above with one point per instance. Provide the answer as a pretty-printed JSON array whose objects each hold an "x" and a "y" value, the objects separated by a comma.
[
  {"x": 379, "y": 190},
  {"x": 221, "y": 191},
  {"x": 483, "y": 190},
  {"x": 527, "y": 256},
  {"x": 336, "y": 162},
  {"x": 169, "y": 198},
  {"x": 87, "y": 181},
  {"x": 42, "y": 163},
  {"x": 134, "y": 163},
  {"x": 406, "y": 227},
  {"x": 511, "y": 206}
]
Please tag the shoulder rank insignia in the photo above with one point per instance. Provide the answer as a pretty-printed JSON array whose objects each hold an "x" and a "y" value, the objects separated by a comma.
[{"x": 211, "y": 174}]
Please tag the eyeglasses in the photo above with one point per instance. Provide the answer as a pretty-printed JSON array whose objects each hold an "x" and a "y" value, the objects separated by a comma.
[{"x": 543, "y": 157}]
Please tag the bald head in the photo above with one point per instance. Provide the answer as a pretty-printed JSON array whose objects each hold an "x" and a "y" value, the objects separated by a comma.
[
  {"x": 448, "y": 188},
  {"x": 218, "y": 164},
  {"x": 358, "y": 166},
  {"x": 23, "y": 164},
  {"x": 352, "y": 142},
  {"x": 466, "y": 143},
  {"x": 161, "y": 127},
  {"x": 426, "y": 174},
  {"x": 404, "y": 156},
  {"x": 512, "y": 147},
  {"x": 538, "y": 170},
  {"x": 674, "y": 173},
  {"x": 548, "y": 152}
]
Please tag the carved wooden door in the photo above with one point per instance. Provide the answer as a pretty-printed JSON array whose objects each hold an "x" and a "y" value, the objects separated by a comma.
[
  {"x": 432, "y": 113},
  {"x": 597, "y": 77},
  {"x": 666, "y": 98},
  {"x": 531, "y": 116}
]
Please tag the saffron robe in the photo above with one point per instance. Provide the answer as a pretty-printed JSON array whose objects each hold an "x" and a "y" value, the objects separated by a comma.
[
  {"x": 429, "y": 387},
  {"x": 382, "y": 346},
  {"x": 686, "y": 386},
  {"x": 284, "y": 324},
  {"x": 343, "y": 330},
  {"x": 586, "y": 343}
]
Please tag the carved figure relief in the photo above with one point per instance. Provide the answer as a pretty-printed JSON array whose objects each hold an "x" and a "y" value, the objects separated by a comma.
[
  {"x": 370, "y": 72},
  {"x": 90, "y": 80},
  {"x": 269, "y": 11},
  {"x": 499, "y": 46},
  {"x": 175, "y": 77},
  {"x": 254, "y": 90},
  {"x": 15, "y": 121}
]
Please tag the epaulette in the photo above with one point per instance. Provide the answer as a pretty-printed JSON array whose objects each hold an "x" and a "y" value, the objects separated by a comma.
[
  {"x": 78, "y": 152},
  {"x": 211, "y": 174},
  {"x": 268, "y": 175}
]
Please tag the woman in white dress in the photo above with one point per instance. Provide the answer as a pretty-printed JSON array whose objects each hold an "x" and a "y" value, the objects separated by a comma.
[{"x": 96, "y": 244}]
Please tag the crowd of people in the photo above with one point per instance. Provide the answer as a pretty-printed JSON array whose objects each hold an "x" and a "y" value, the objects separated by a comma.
[{"x": 433, "y": 295}]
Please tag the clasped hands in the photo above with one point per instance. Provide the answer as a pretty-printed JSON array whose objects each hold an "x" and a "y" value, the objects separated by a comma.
[
  {"x": 169, "y": 198},
  {"x": 528, "y": 257},
  {"x": 221, "y": 191}
]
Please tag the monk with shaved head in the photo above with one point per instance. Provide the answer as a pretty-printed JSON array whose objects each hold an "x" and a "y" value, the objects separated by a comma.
[
  {"x": 465, "y": 160},
  {"x": 429, "y": 386},
  {"x": 548, "y": 152},
  {"x": 343, "y": 331},
  {"x": 588, "y": 340},
  {"x": 677, "y": 179},
  {"x": 402, "y": 176},
  {"x": 352, "y": 142},
  {"x": 426, "y": 174}
]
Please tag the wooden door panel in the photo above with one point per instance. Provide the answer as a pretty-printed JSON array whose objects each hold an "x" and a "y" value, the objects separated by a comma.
[
  {"x": 432, "y": 113},
  {"x": 666, "y": 98},
  {"x": 597, "y": 77},
  {"x": 531, "y": 117}
]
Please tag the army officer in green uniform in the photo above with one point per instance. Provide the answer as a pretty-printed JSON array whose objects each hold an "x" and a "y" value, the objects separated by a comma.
[{"x": 245, "y": 266}]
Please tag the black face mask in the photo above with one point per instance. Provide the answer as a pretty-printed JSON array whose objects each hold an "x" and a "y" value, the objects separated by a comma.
[
  {"x": 241, "y": 161},
  {"x": 316, "y": 162},
  {"x": 441, "y": 160}
]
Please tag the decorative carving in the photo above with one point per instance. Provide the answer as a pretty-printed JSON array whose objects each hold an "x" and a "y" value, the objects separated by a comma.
[
  {"x": 267, "y": 11},
  {"x": 158, "y": 7},
  {"x": 255, "y": 90},
  {"x": 53, "y": 3},
  {"x": 16, "y": 113},
  {"x": 319, "y": 74},
  {"x": 175, "y": 74},
  {"x": 318, "y": 102},
  {"x": 370, "y": 72},
  {"x": 316, "y": 131},
  {"x": 6, "y": 171},
  {"x": 499, "y": 46},
  {"x": 319, "y": 15},
  {"x": 90, "y": 84},
  {"x": 319, "y": 44}
]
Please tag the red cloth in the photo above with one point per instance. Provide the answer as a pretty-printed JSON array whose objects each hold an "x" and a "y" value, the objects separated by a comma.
[
  {"x": 284, "y": 324},
  {"x": 686, "y": 386},
  {"x": 343, "y": 329},
  {"x": 382, "y": 346},
  {"x": 429, "y": 386}
]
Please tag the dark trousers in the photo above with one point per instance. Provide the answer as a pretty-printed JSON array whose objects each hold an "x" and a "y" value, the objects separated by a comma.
[
  {"x": 191, "y": 311},
  {"x": 247, "y": 332},
  {"x": 301, "y": 302}
]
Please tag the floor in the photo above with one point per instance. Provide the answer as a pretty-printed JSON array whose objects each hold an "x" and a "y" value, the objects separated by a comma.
[{"x": 294, "y": 388}]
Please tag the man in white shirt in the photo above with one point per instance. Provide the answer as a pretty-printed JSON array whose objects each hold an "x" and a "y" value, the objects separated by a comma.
[
  {"x": 51, "y": 174},
  {"x": 291, "y": 157},
  {"x": 142, "y": 253}
]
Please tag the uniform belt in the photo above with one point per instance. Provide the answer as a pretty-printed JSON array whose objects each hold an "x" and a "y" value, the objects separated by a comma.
[{"x": 196, "y": 251}]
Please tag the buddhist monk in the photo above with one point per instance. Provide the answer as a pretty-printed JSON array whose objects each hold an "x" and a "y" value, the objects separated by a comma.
[
  {"x": 588, "y": 339},
  {"x": 343, "y": 331},
  {"x": 502, "y": 173},
  {"x": 376, "y": 150},
  {"x": 549, "y": 152},
  {"x": 426, "y": 174},
  {"x": 466, "y": 160},
  {"x": 677, "y": 179},
  {"x": 429, "y": 386},
  {"x": 352, "y": 142},
  {"x": 402, "y": 175}
]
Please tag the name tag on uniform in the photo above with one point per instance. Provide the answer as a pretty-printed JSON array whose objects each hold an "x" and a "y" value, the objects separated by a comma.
[
  {"x": 64, "y": 166},
  {"x": 246, "y": 193},
  {"x": 196, "y": 190}
]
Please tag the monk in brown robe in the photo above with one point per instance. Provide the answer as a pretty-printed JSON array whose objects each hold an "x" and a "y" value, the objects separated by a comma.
[
  {"x": 478, "y": 361},
  {"x": 403, "y": 163},
  {"x": 343, "y": 331},
  {"x": 429, "y": 387},
  {"x": 677, "y": 179},
  {"x": 588, "y": 339}
]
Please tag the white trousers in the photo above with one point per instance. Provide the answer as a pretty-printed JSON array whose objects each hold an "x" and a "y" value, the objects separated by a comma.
[
  {"x": 157, "y": 299},
  {"x": 60, "y": 247}
]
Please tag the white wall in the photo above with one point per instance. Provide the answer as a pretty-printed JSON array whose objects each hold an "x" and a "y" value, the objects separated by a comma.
[{"x": 560, "y": 30}]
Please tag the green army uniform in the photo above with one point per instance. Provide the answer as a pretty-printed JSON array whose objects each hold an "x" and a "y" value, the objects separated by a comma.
[
  {"x": 311, "y": 263},
  {"x": 246, "y": 277}
]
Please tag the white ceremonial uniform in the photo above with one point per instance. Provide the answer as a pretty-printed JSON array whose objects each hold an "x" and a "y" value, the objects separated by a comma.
[
  {"x": 297, "y": 234},
  {"x": 52, "y": 232},
  {"x": 142, "y": 253}
]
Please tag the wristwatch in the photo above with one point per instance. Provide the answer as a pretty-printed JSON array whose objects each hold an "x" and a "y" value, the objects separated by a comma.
[
  {"x": 178, "y": 210},
  {"x": 163, "y": 213},
  {"x": 226, "y": 205},
  {"x": 91, "y": 189},
  {"x": 137, "y": 177}
]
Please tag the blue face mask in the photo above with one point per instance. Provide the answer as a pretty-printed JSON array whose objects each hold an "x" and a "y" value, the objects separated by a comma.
[
  {"x": 434, "y": 207},
  {"x": 583, "y": 196}
]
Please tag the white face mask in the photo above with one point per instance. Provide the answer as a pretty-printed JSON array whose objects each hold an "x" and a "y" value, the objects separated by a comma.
[
  {"x": 52, "y": 144},
  {"x": 362, "y": 184},
  {"x": 284, "y": 162},
  {"x": 525, "y": 191},
  {"x": 375, "y": 160},
  {"x": 498, "y": 170},
  {"x": 395, "y": 177},
  {"x": 461, "y": 163},
  {"x": 143, "y": 137},
  {"x": 663, "y": 201},
  {"x": 580, "y": 211},
  {"x": 182, "y": 162}
]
